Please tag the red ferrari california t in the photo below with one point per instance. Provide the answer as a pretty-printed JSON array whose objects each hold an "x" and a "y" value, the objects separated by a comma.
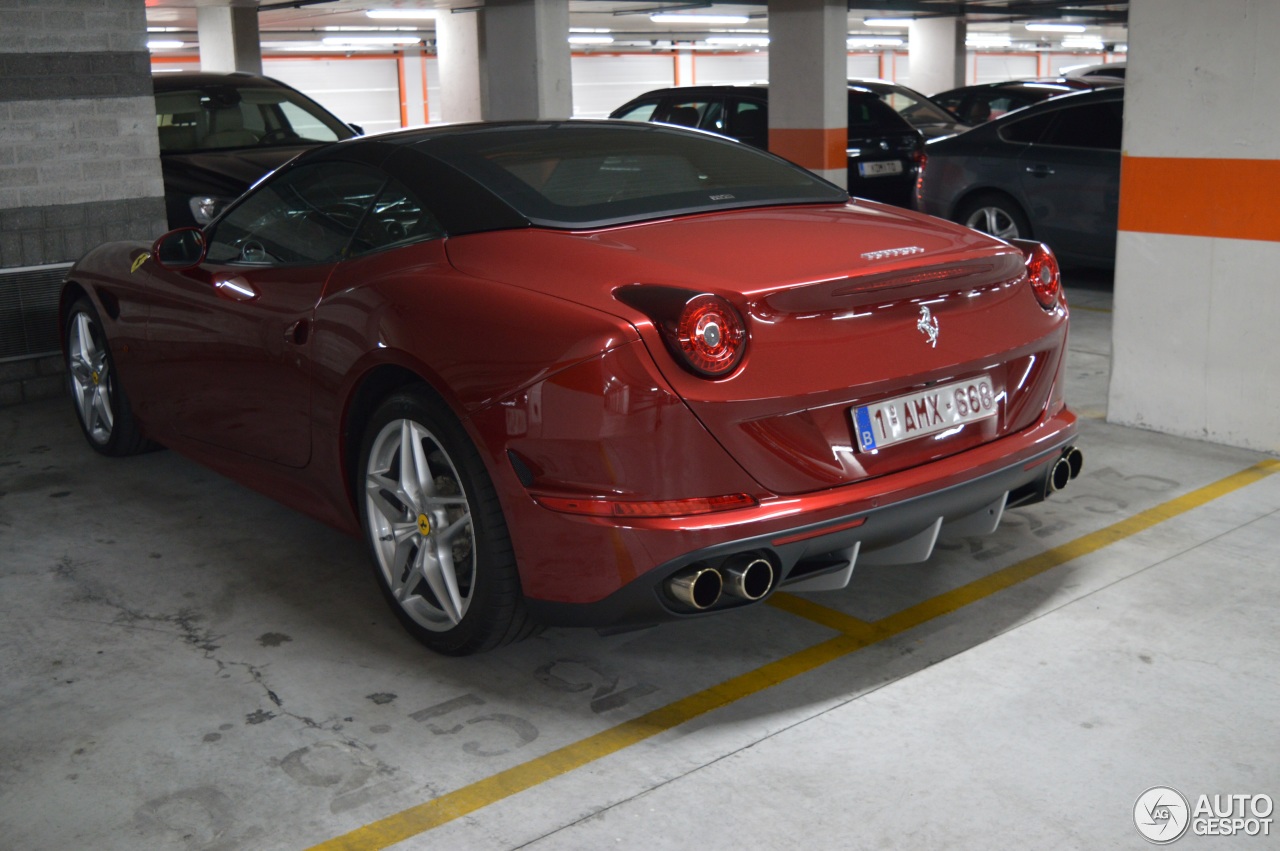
[{"x": 584, "y": 373}]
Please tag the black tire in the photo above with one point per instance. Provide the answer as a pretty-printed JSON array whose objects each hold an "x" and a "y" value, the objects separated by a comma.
[
  {"x": 101, "y": 405},
  {"x": 441, "y": 553},
  {"x": 996, "y": 214}
]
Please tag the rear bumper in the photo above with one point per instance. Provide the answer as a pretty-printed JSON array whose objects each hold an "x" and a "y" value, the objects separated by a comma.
[{"x": 812, "y": 540}]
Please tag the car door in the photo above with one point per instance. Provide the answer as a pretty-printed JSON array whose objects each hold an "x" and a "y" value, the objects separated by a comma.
[
  {"x": 231, "y": 338},
  {"x": 1070, "y": 177}
]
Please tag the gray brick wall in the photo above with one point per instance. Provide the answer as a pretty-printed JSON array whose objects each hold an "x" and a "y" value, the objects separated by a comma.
[{"x": 79, "y": 156}]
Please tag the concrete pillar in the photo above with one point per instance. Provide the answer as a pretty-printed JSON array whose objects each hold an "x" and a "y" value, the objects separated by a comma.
[
  {"x": 808, "y": 100},
  {"x": 79, "y": 165},
  {"x": 936, "y": 51},
  {"x": 228, "y": 33},
  {"x": 1197, "y": 302},
  {"x": 524, "y": 60},
  {"x": 458, "y": 50}
]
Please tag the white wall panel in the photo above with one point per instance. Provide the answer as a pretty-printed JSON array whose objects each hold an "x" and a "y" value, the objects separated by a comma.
[
  {"x": 994, "y": 67},
  {"x": 865, "y": 66},
  {"x": 715, "y": 69},
  {"x": 359, "y": 91},
  {"x": 604, "y": 82}
]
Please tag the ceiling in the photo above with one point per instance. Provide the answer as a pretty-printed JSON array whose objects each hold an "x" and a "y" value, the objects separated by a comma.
[{"x": 990, "y": 24}]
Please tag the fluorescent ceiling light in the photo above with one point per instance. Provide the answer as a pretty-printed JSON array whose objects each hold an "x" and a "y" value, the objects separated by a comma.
[
  {"x": 1088, "y": 42},
  {"x": 591, "y": 39},
  {"x": 887, "y": 22},
  {"x": 872, "y": 41},
  {"x": 417, "y": 14},
  {"x": 162, "y": 44},
  {"x": 663, "y": 18},
  {"x": 748, "y": 40},
  {"x": 1055, "y": 28},
  {"x": 383, "y": 40}
]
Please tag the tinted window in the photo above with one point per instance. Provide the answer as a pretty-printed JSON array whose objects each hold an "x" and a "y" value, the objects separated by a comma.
[
  {"x": 1028, "y": 129},
  {"x": 583, "y": 175},
  {"x": 749, "y": 121},
  {"x": 397, "y": 218},
  {"x": 1091, "y": 125},
  {"x": 306, "y": 215},
  {"x": 706, "y": 114},
  {"x": 870, "y": 115}
]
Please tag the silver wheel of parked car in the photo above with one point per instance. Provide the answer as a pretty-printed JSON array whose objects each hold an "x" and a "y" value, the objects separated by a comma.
[
  {"x": 440, "y": 546},
  {"x": 103, "y": 411},
  {"x": 418, "y": 512},
  {"x": 997, "y": 215}
]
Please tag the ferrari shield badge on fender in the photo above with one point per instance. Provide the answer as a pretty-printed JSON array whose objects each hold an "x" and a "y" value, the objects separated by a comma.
[
  {"x": 927, "y": 324},
  {"x": 138, "y": 261}
]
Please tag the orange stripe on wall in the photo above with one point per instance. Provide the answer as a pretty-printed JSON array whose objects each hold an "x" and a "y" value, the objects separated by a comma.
[
  {"x": 1231, "y": 199},
  {"x": 820, "y": 148}
]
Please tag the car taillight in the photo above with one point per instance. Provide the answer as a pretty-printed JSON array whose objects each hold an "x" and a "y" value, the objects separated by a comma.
[
  {"x": 704, "y": 332},
  {"x": 1042, "y": 272},
  {"x": 710, "y": 336}
]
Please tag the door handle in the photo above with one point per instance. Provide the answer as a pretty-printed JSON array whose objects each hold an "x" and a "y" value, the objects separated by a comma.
[{"x": 1040, "y": 170}]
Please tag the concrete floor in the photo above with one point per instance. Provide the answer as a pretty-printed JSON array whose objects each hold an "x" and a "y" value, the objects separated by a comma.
[{"x": 188, "y": 665}]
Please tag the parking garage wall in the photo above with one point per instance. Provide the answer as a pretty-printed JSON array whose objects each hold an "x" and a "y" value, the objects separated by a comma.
[{"x": 79, "y": 163}]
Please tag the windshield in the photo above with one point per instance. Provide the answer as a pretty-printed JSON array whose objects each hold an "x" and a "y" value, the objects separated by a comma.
[
  {"x": 581, "y": 175},
  {"x": 218, "y": 117},
  {"x": 916, "y": 109}
]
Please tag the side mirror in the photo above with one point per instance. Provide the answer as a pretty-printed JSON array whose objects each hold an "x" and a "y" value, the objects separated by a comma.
[{"x": 180, "y": 249}]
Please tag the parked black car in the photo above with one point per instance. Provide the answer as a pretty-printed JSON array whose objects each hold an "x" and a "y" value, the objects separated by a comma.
[
  {"x": 982, "y": 102},
  {"x": 220, "y": 133},
  {"x": 1050, "y": 172},
  {"x": 884, "y": 151}
]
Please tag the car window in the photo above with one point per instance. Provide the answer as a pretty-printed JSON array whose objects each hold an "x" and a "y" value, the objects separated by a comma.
[
  {"x": 639, "y": 112},
  {"x": 1090, "y": 125},
  {"x": 749, "y": 122},
  {"x": 222, "y": 116},
  {"x": 868, "y": 115},
  {"x": 708, "y": 114},
  {"x": 305, "y": 216},
  {"x": 1029, "y": 129},
  {"x": 397, "y": 218},
  {"x": 595, "y": 175}
]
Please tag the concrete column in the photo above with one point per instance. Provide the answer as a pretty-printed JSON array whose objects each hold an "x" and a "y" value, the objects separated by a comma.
[
  {"x": 228, "y": 33},
  {"x": 1197, "y": 302},
  {"x": 808, "y": 100},
  {"x": 79, "y": 165},
  {"x": 458, "y": 50},
  {"x": 936, "y": 50},
  {"x": 524, "y": 60}
]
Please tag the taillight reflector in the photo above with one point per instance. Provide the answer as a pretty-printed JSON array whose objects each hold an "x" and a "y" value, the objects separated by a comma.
[
  {"x": 710, "y": 335},
  {"x": 595, "y": 507},
  {"x": 1042, "y": 273}
]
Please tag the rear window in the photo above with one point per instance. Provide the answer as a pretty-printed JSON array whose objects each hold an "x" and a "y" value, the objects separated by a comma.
[{"x": 592, "y": 175}]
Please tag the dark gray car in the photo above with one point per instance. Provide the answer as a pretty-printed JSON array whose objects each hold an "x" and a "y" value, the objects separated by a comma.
[{"x": 1049, "y": 172}]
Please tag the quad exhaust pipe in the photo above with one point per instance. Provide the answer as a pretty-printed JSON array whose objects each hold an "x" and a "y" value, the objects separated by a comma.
[
  {"x": 747, "y": 577},
  {"x": 1066, "y": 468}
]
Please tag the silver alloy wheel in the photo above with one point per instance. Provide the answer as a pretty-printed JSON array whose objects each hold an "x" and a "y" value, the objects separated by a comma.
[
  {"x": 420, "y": 520},
  {"x": 91, "y": 378},
  {"x": 995, "y": 221}
]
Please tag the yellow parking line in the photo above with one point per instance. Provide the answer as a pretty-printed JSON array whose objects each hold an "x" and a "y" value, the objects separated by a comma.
[
  {"x": 1091, "y": 309},
  {"x": 854, "y": 634}
]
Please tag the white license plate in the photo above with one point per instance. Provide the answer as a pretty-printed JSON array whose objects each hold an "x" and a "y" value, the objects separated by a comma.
[
  {"x": 927, "y": 412},
  {"x": 880, "y": 168}
]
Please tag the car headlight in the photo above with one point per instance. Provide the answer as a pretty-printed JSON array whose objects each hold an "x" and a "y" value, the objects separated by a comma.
[{"x": 205, "y": 208}]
